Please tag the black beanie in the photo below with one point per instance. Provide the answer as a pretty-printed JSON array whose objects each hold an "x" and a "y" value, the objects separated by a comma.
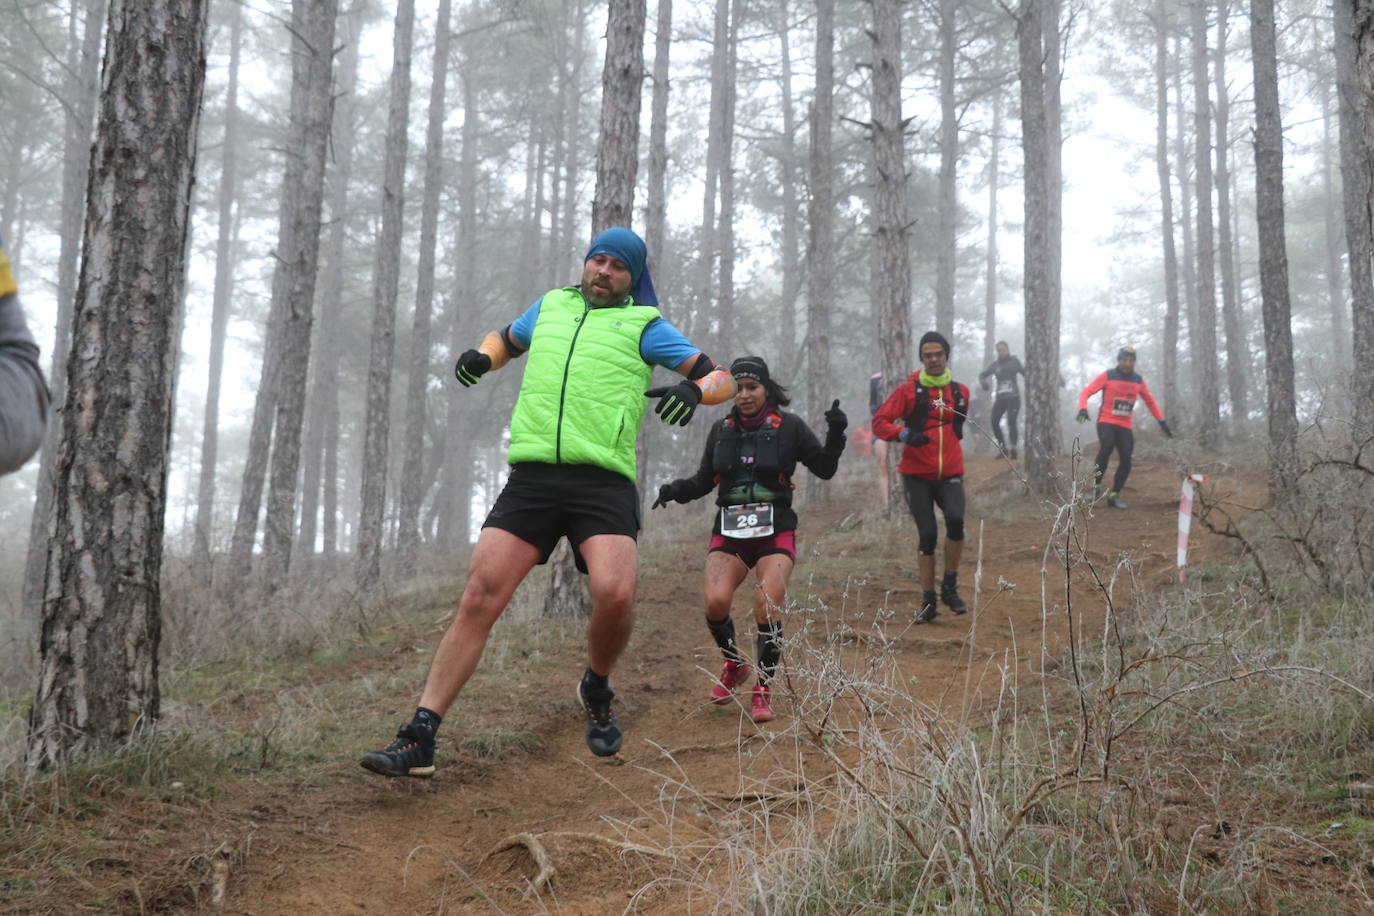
[
  {"x": 933, "y": 337},
  {"x": 750, "y": 367}
]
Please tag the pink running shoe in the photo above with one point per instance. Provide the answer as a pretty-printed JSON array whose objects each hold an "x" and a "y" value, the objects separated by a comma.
[
  {"x": 761, "y": 712},
  {"x": 730, "y": 677}
]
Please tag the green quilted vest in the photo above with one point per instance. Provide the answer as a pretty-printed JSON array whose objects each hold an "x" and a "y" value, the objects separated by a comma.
[{"x": 582, "y": 397}]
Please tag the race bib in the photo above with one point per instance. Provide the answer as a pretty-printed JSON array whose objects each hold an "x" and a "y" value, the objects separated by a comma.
[
  {"x": 754, "y": 520},
  {"x": 1122, "y": 407},
  {"x": 1006, "y": 386}
]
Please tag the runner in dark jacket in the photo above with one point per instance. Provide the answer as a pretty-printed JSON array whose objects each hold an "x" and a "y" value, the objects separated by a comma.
[
  {"x": 749, "y": 460},
  {"x": 1006, "y": 398},
  {"x": 931, "y": 408},
  {"x": 23, "y": 394}
]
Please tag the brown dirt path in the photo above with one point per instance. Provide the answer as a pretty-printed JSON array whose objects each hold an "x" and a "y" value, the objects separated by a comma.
[{"x": 369, "y": 845}]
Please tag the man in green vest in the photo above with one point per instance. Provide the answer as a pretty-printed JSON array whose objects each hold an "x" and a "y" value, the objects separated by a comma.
[{"x": 592, "y": 349}]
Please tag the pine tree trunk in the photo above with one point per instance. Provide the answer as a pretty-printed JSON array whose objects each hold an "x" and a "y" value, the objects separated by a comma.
[
  {"x": 990, "y": 280},
  {"x": 1355, "y": 79},
  {"x": 1237, "y": 351},
  {"x": 385, "y": 280},
  {"x": 1188, "y": 267},
  {"x": 790, "y": 268},
  {"x": 820, "y": 248},
  {"x": 81, "y": 92},
  {"x": 947, "y": 216},
  {"x": 1331, "y": 223},
  {"x": 298, "y": 255},
  {"x": 725, "y": 302},
  {"x": 1042, "y": 325},
  {"x": 98, "y": 679},
  {"x": 224, "y": 289},
  {"x": 1166, "y": 206},
  {"x": 891, "y": 224},
  {"x": 617, "y": 159},
  {"x": 709, "y": 244},
  {"x": 412, "y": 475},
  {"x": 1273, "y": 260},
  {"x": 1205, "y": 332},
  {"x": 456, "y": 492},
  {"x": 656, "y": 216},
  {"x": 321, "y": 460}
]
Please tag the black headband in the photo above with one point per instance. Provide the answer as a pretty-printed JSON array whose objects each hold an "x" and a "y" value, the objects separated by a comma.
[{"x": 750, "y": 367}]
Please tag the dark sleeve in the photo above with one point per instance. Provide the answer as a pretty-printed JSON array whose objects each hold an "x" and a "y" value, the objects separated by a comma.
[
  {"x": 1019, "y": 367},
  {"x": 960, "y": 417},
  {"x": 23, "y": 393},
  {"x": 704, "y": 480},
  {"x": 821, "y": 460},
  {"x": 992, "y": 367}
]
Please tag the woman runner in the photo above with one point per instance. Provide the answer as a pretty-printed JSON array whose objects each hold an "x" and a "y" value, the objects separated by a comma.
[{"x": 749, "y": 459}]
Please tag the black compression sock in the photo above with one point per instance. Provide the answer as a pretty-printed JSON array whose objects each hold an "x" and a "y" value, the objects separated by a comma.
[
  {"x": 770, "y": 650},
  {"x": 927, "y": 598},
  {"x": 723, "y": 632},
  {"x": 427, "y": 720},
  {"x": 951, "y": 580},
  {"x": 593, "y": 681}
]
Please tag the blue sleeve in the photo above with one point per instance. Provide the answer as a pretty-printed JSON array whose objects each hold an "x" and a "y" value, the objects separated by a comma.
[
  {"x": 664, "y": 345},
  {"x": 522, "y": 328}
]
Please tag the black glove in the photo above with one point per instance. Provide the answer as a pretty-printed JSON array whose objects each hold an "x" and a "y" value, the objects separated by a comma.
[
  {"x": 1164, "y": 425},
  {"x": 913, "y": 438},
  {"x": 1082, "y": 416},
  {"x": 835, "y": 418},
  {"x": 676, "y": 403},
  {"x": 666, "y": 494},
  {"x": 985, "y": 384},
  {"x": 472, "y": 365}
]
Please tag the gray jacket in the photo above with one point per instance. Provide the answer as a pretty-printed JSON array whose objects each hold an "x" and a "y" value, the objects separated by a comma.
[{"x": 23, "y": 393}]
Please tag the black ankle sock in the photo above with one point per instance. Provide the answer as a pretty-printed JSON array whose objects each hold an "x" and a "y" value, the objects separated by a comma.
[
  {"x": 723, "y": 632},
  {"x": 593, "y": 681},
  {"x": 428, "y": 720},
  {"x": 927, "y": 598},
  {"x": 951, "y": 580}
]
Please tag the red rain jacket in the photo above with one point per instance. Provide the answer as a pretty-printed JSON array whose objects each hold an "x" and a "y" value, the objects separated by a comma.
[{"x": 943, "y": 456}]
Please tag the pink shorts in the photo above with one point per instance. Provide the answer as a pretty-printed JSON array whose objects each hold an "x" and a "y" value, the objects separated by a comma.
[{"x": 751, "y": 550}]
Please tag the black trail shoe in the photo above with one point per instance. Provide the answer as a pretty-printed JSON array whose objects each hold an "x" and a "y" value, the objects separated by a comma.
[
  {"x": 949, "y": 594},
  {"x": 411, "y": 754},
  {"x": 603, "y": 731},
  {"x": 928, "y": 610}
]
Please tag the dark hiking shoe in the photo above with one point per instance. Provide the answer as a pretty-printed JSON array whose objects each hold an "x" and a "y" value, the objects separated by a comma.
[
  {"x": 411, "y": 754},
  {"x": 928, "y": 610},
  {"x": 603, "y": 731},
  {"x": 1114, "y": 500},
  {"x": 950, "y": 596}
]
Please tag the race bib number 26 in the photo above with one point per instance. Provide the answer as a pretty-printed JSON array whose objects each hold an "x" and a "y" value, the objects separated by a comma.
[{"x": 754, "y": 520}]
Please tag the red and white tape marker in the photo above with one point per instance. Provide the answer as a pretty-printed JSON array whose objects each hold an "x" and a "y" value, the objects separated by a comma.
[{"x": 1185, "y": 518}]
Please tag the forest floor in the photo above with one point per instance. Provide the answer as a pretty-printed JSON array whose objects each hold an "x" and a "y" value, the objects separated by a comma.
[{"x": 291, "y": 824}]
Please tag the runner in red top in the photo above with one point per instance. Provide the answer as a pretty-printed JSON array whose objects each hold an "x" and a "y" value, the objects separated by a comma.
[
  {"x": 931, "y": 408},
  {"x": 1120, "y": 388}
]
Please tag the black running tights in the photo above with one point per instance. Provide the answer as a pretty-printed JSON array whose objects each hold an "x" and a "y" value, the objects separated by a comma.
[
  {"x": 1011, "y": 407},
  {"x": 1112, "y": 437}
]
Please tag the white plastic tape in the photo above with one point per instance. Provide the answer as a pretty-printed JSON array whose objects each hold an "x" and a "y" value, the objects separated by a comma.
[{"x": 1185, "y": 519}]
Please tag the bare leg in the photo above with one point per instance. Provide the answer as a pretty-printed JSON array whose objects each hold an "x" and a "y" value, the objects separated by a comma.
[
  {"x": 771, "y": 595},
  {"x": 724, "y": 573},
  {"x": 926, "y": 566},
  {"x": 500, "y": 561},
  {"x": 610, "y": 560},
  {"x": 953, "y": 551},
  {"x": 880, "y": 459}
]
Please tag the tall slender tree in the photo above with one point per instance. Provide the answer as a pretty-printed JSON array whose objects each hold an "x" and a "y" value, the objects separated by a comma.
[
  {"x": 1041, "y": 308},
  {"x": 298, "y": 250},
  {"x": 101, "y": 623},
  {"x": 1206, "y": 353},
  {"x": 1237, "y": 355},
  {"x": 224, "y": 290},
  {"x": 412, "y": 475},
  {"x": 1278, "y": 335},
  {"x": 990, "y": 271},
  {"x": 1160, "y": 16},
  {"x": 725, "y": 301},
  {"x": 1354, "y": 75},
  {"x": 820, "y": 246},
  {"x": 790, "y": 255},
  {"x": 83, "y": 73},
  {"x": 947, "y": 211}
]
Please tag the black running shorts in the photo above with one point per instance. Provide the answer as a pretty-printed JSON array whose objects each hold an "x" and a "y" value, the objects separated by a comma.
[{"x": 544, "y": 502}]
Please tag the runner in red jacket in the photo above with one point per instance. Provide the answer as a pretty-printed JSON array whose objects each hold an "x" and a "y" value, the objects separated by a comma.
[
  {"x": 1120, "y": 388},
  {"x": 931, "y": 408}
]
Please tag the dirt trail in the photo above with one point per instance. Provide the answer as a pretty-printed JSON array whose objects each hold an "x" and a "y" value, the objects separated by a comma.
[{"x": 378, "y": 846}]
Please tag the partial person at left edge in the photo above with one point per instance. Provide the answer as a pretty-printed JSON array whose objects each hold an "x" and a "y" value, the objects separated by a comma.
[{"x": 23, "y": 393}]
